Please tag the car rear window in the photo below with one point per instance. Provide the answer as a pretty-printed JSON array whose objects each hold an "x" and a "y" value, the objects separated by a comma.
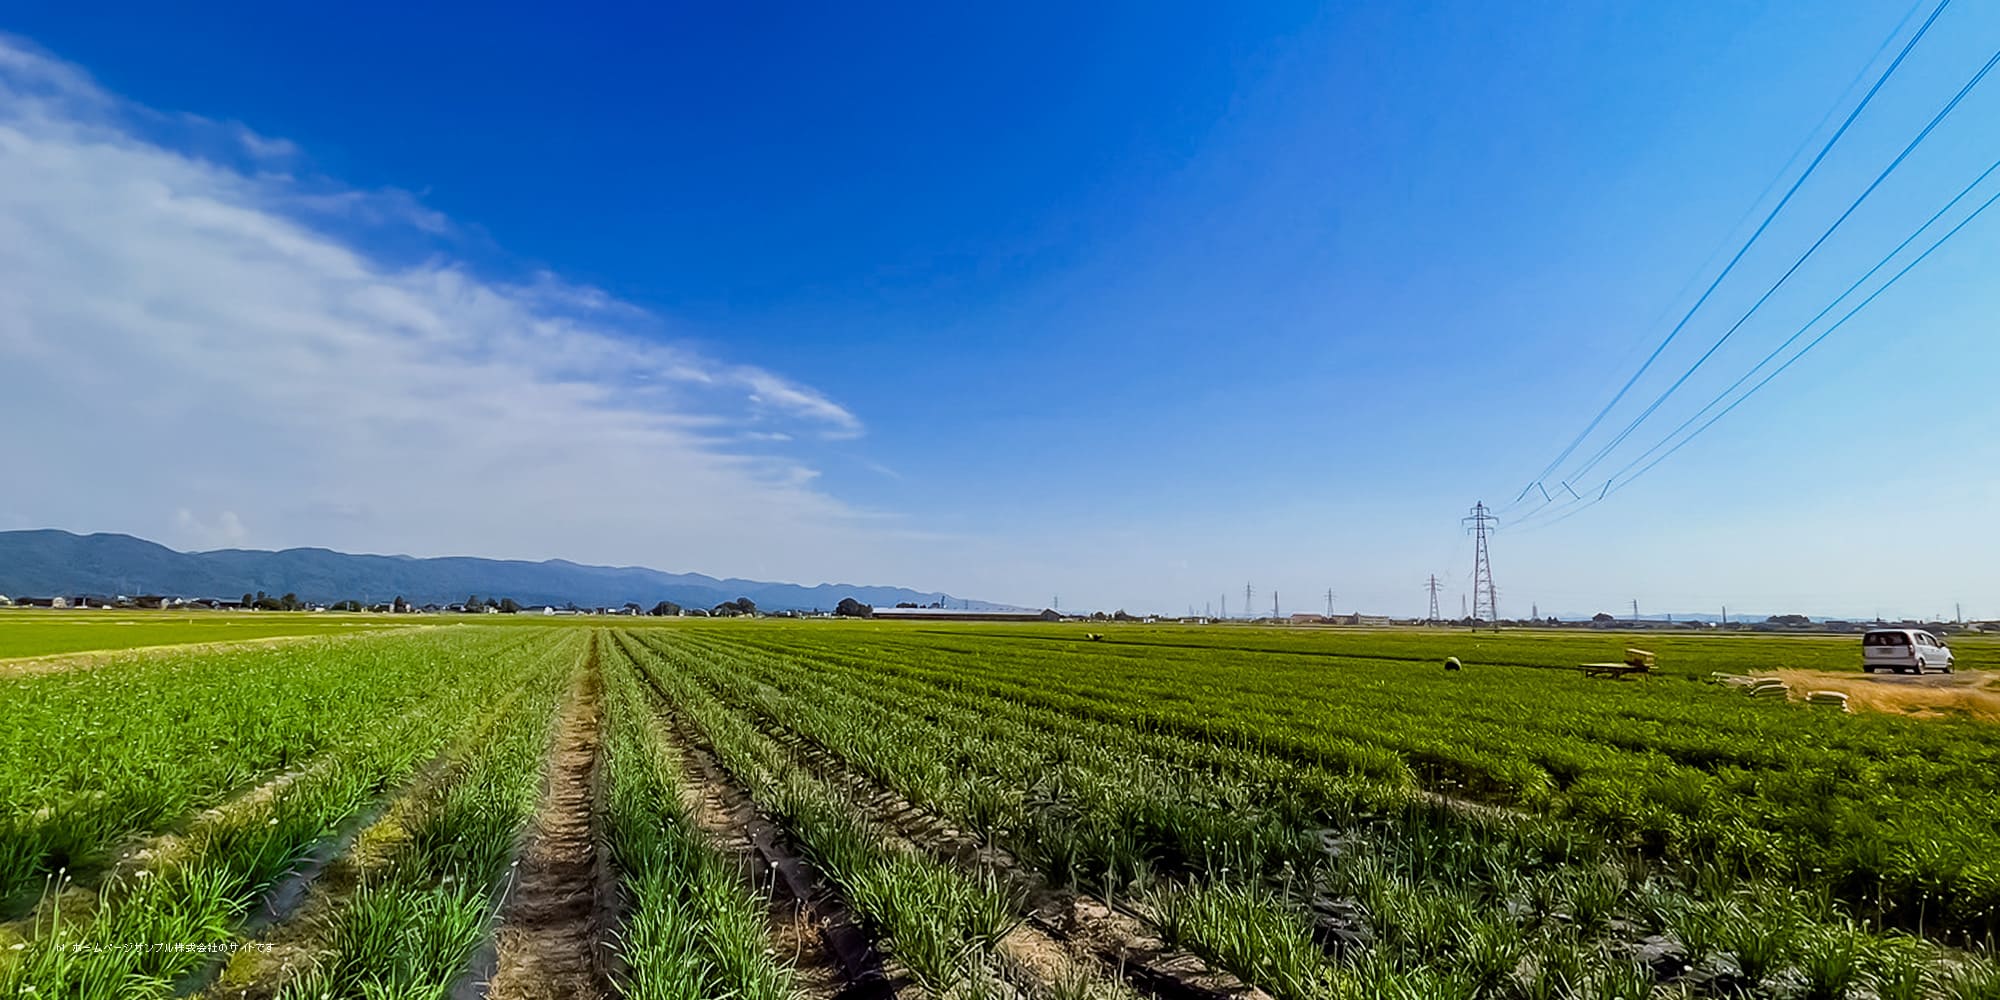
[{"x": 1885, "y": 639}]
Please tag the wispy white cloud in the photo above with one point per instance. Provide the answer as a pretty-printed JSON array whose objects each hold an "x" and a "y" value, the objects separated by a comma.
[
  {"x": 197, "y": 347},
  {"x": 264, "y": 148}
]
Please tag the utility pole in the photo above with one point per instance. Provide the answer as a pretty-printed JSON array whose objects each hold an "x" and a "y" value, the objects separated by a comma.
[
  {"x": 1462, "y": 613},
  {"x": 1484, "y": 600},
  {"x": 1432, "y": 586},
  {"x": 1635, "y": 609},
  {"x": 1725, "y": 614},
  {"x": 1535, "y": 611},
  {"x": 1958, "y": 612},
  {"x": 1225, "y": 605},
  {"x": 1055, "y": 603},
  {"x": 1274, "y": 605}
]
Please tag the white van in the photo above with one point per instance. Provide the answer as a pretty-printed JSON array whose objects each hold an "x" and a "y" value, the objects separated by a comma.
[{"x": 1904, "y": 650}]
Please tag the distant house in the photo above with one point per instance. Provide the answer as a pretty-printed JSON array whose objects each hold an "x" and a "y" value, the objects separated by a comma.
[
  {"x": 1304, "y": 618},
  {"x": 963, "y": 615}
]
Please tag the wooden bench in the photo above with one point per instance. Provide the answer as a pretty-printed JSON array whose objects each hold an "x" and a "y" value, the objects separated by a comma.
[{"x": 1637, "y": 661}]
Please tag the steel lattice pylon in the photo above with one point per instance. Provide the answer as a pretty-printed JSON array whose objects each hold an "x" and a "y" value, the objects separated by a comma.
[{"x": 1485, "y": 603}]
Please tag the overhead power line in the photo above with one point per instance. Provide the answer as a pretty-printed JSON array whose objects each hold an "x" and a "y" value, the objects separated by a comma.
[
  {"x": 1815, "y": 342},
  {"x": 1613, "y": 487},
  {"x": 1750, "y": 210},
  {"x": 1807, "y": 326},
  {"x": 1796, "y": 264},
  {"x": 1570, "y": 449},
  {"x": 1619, "y": 480}
]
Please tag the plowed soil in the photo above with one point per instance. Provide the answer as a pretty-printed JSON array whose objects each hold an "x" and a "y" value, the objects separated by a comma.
[{"x": 550, "y": 936}]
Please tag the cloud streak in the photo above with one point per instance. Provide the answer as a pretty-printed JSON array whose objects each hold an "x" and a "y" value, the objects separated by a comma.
[{"x": 195, "y": 344}]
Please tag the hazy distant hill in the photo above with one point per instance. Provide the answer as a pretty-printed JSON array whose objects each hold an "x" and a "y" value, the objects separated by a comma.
[{"x": 50, "y": 562}]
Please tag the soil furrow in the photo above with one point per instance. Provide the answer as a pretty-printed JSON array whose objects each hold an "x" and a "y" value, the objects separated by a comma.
[
  {"x": 289, "y": 921},
  {"x": 1059, "y": 919},
  {"x": 551, "y": 935},
  {"x": 833, "y": 954}
]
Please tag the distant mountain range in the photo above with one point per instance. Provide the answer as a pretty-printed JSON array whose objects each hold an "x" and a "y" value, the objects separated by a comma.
[{"x": 46, "y": 563}]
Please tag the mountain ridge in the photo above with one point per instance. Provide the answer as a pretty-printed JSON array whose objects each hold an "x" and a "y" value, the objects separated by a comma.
[{"x": 51, "y": 561}]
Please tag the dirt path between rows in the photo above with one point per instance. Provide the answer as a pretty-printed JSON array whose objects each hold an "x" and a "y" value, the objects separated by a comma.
[
  {"x": 811, "y": 923},
  {"x": 550, "y": 943},
  {"x": 1968, "y": 694},
  {"x": 291, "y": 921},
  {"x": 1064, "y": 931}
]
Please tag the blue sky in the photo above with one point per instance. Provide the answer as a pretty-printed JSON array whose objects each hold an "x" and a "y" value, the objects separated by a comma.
[{"x": 1134, "y": 304}]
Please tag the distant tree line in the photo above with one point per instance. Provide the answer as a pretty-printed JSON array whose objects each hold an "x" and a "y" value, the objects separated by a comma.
[
  {"x": 265, "y": 602},
  {"x": 731, "y": 609},
  {"x": 507, "y": 605}
]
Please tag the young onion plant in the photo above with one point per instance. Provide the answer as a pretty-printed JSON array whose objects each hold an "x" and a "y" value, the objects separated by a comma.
[
  {"x": 163, "y": 918},
  {"x": 694, "y": 932},
  {"x": 409, "y": 928},
  {"x": 1540, "y": 903},
  {"x": 96, "y": 756},
  {"x": 942, "y": 924}
]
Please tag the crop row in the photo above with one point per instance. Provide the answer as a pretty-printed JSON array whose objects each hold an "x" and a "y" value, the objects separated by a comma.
[
  {"x": 414, "y": 921},
  {"x": 1408, "y": 887},
  {"x": 943, "y": 924},
  {"x": 1683, "y": 654},
  {"x": 96, "y": 755},
  {"x": 692, "y": 931},
  {"x": 165, "y": 911},
  {"x": 161, "y": 915},
  {"x": 1888, "y": 814}
]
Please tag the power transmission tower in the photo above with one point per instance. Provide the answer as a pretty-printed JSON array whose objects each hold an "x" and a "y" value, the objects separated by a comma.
[
  {"x": 1329, "y": 602},
  {"x": 1225, "y": 605},
  {"x": 1274, "y": 605},
  {"x": 1249, "y": 601},
  {"x": 1485, "y": 603},
  {"x": 1635, "y": 609},
  {"x": 1462, "y": 612},
  {"x": 1432, "y": 586}
]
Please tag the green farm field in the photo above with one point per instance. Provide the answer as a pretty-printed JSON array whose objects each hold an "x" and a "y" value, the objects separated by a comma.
[
  {"x": 26, "y": 632},
  {"x": 812, "y": 808}
]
